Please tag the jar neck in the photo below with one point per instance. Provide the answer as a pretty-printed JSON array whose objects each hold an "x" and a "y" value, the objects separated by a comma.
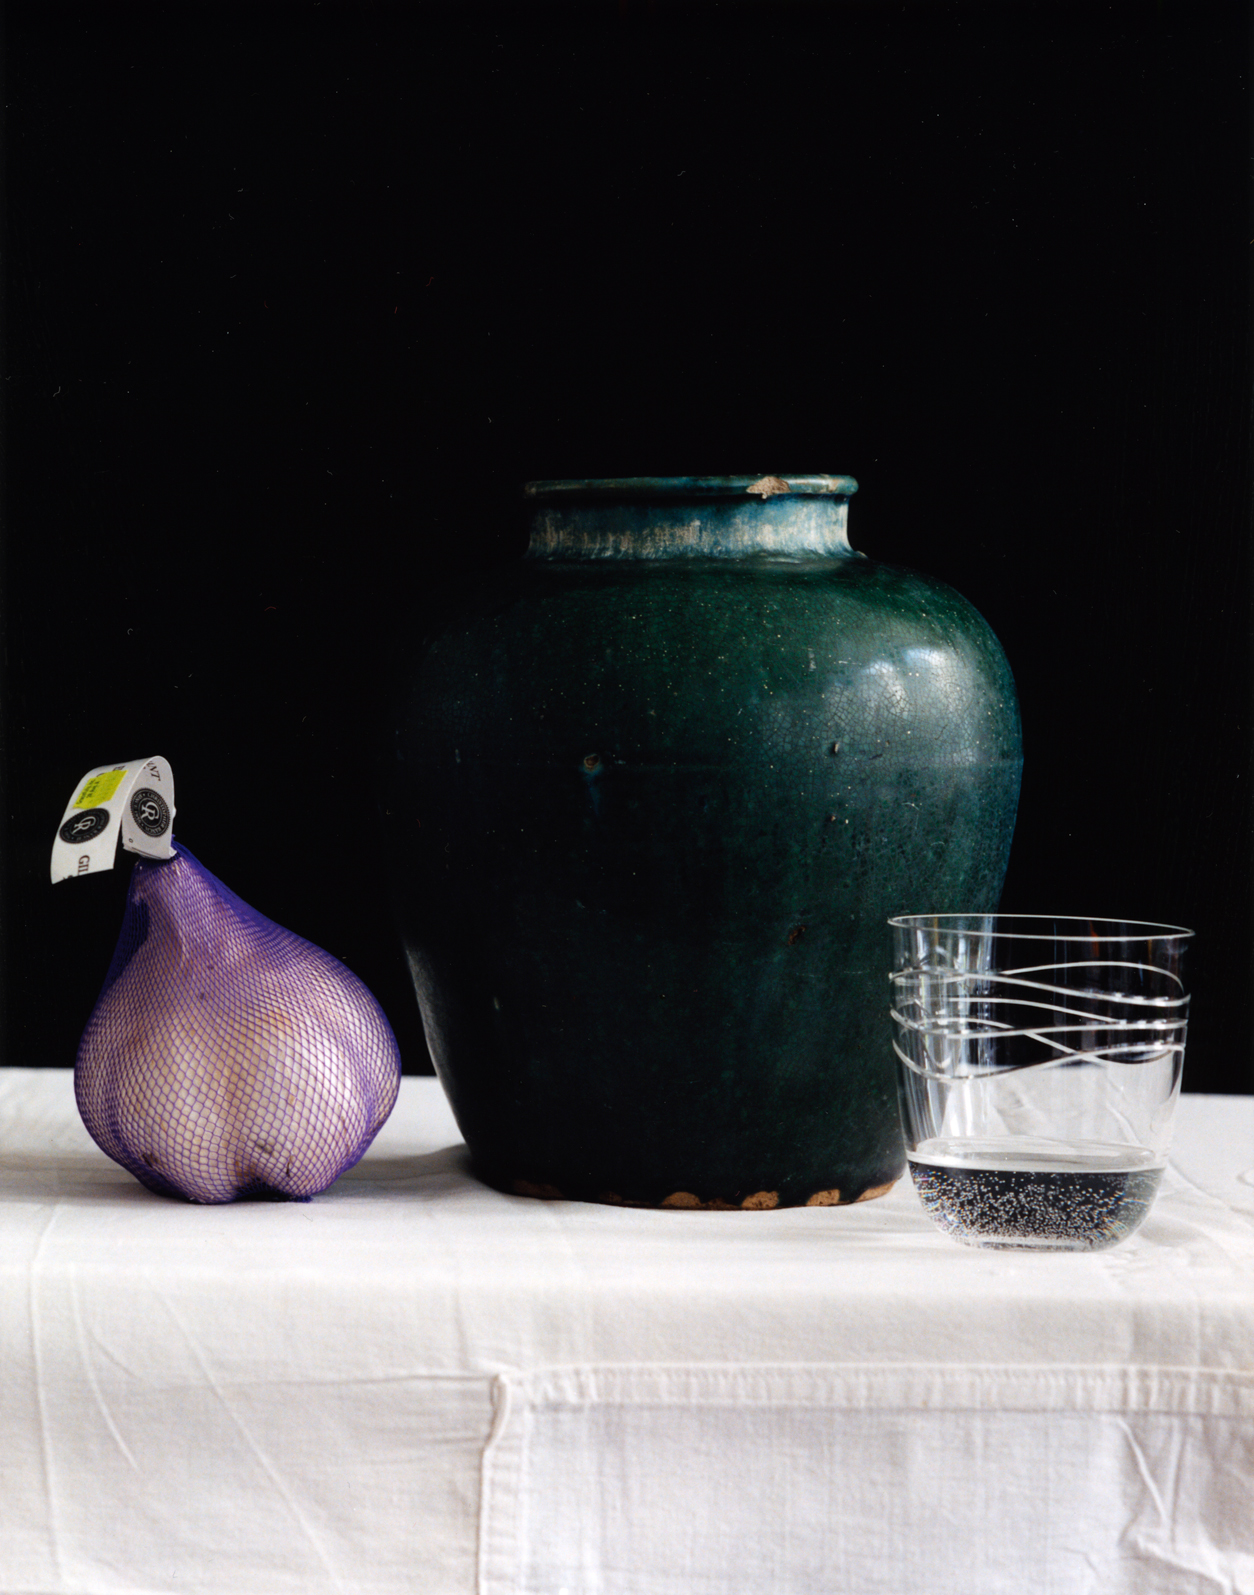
[{"x": 786, "y": 525}]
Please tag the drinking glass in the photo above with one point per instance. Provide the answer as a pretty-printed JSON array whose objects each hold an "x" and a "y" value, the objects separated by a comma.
[{"x": 1039, "y": 1064}]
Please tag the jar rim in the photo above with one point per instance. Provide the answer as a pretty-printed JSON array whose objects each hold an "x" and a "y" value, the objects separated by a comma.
[{"x": 654, "y": 487}]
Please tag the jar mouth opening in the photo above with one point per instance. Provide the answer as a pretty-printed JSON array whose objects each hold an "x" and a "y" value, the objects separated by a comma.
[{"x": 706, "y": 487}]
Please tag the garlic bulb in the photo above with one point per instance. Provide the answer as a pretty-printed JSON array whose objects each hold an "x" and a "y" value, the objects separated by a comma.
[{"x": 226, "y": 1056}]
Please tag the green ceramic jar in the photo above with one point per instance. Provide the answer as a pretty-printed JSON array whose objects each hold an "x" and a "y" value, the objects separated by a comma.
[{"x": 655, "y": 793}]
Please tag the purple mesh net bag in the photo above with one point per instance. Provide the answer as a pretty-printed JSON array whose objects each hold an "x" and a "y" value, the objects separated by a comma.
[{"x": 226, "y": 1057}]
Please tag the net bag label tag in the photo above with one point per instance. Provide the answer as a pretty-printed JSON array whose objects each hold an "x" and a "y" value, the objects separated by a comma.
[{"x": 132, "y": 803}]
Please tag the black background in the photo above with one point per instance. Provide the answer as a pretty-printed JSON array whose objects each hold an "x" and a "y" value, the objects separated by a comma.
[{"x": 298, "y": 296}]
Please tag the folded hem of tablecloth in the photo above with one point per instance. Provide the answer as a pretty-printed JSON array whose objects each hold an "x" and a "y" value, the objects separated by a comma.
[{"x": 1079, "y": 1389}]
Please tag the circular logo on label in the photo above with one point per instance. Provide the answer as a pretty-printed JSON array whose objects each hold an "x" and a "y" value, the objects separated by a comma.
[
  {"x": 85, "y": 826},
  {"x": 150, "y": 811}
]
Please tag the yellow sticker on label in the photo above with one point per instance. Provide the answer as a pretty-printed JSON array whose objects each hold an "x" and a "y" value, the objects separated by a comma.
[{"x": 99, "y": 789}]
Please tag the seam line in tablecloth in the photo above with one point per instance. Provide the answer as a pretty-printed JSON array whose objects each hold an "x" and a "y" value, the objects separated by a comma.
[
  {"x": 499, "y": 1493},
  {"x": 1084, "y": 1388}
]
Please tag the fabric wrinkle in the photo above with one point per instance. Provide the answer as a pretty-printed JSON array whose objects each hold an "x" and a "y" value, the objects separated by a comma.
[
  {"x": 85, "y": 1356},
  {"x": 263, "y": 1461},
  {"x": 41, "y": 1390}
]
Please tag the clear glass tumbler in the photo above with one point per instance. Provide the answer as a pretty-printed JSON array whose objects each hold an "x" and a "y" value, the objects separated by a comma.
[{"x": 1039, "y": 1065}]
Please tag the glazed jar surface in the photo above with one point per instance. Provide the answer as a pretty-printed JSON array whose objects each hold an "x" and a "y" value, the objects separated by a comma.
[{"x": 654, "y": 795}]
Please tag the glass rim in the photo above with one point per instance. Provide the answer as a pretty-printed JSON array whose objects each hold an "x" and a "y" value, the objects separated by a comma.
[{"x": 1086, "y": 928}]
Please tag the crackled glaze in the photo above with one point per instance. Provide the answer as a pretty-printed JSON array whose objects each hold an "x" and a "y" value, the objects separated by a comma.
[{"x": 654, "y": 811}]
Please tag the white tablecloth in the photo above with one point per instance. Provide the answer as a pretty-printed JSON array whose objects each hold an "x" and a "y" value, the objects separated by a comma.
[{"x": 414, "y": 1383}]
